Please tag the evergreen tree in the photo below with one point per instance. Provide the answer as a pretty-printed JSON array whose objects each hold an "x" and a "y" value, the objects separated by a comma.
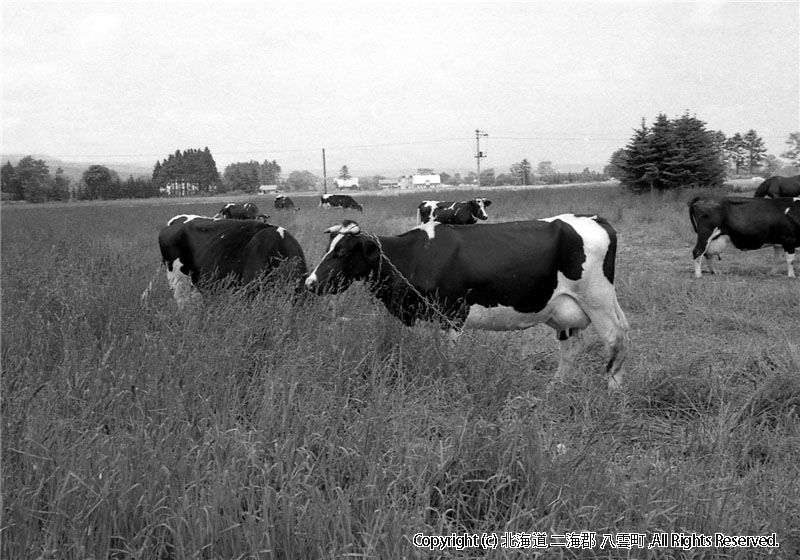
[
  {"x": 269, "y": 173},
  {"x": 344, "y": 173},
  {"x": 522, "y": 172},
  {"x": 755, "y": 151},
  {"x": 638, "y": 167},
  {"x": 671, "y": 154},
  {"x": 793, "y": 153},
  {"x": 195, "y": 168},
  {"x": 736, "y": 152}
]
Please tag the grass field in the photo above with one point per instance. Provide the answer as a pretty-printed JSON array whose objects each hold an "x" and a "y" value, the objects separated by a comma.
[{"x": 249, "y": 428}]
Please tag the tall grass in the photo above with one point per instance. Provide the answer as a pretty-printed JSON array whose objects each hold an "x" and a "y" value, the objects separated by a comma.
[{"x": 254, "y": 428}]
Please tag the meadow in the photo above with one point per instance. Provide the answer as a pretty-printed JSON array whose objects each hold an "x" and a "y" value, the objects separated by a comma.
[{"x": 254, "y": 428}]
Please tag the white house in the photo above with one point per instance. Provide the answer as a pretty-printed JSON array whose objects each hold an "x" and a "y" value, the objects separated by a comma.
[
  {"x": 180, "y": 188},
  {"x": 351, "y": 183},
  {"x": 426, "y": 181},
  {"x": 267, "y": 189}
]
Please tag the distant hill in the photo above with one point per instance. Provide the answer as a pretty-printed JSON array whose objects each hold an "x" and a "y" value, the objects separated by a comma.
[{"x": 74, "y": 170}]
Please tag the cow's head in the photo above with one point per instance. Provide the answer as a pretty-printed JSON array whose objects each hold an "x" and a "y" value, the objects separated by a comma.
[
  {"x": 479, "y": 207},
  {"x": 351, "y": 256},
  {"x": 225, "y": 211}
]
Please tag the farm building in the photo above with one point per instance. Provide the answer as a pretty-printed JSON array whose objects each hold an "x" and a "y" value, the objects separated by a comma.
[
  {"x": 388, "y": 183},
  {"x": 179, "y": 188},
  {"x": 342, "y": 184},
  {"x": 267, "y": 189},
  {"x": 419, "y": 181}
]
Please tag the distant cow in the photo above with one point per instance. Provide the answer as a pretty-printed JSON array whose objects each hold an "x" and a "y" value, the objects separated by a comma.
[
  {"x": 776, "y": 187},
  {"x": 456, "y": 213},
  {"x": 283, "y": 202},
  {"x": 505, "y": 276},
  {"x": 339, "y": 201},
  {"x": 199, "y": 251},
  {"x": 237, "y": 211},
  {"x": 749, "y": 223}
]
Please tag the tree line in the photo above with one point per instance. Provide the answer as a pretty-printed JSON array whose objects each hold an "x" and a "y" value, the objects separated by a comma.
[{"x": 669, "y": 154}]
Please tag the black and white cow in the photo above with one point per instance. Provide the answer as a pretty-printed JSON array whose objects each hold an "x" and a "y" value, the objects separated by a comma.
[
  {"x": 749, "y": 223},
  {"x": 456, "y": 213},
  {"x": 283, "y": 202},
  {"x": 198, "y": 251},
  {"x": 776, "y": 187},
  {"x": 339, "y": 201},
  {"x": 240, "y": 211},
  {"x": 506, "y": 276}
]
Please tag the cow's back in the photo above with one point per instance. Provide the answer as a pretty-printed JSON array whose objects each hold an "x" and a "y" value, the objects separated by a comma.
[{"x": 268, "y": 249}]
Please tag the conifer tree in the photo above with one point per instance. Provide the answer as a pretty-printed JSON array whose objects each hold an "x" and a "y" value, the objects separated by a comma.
[{"x": 755, "y": 151}]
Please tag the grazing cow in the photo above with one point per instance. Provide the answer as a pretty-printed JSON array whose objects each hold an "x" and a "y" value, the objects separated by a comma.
[
  {"x": 456, "y": 213},
  {"x": 557, "y": 271},
  {"x": 749, "y": 223},
  {"x": 776, "y": 187},
  {"x": 283, "y": 202},
  {"x": 199, "y": 251},
  {"x": 236, "y": 211},
  {"x": 344, "y": 201}
]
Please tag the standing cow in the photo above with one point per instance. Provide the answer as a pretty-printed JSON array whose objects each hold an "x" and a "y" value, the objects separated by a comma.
[
  {"x": 455, "y": 213},
  {"x": 749, "y": 223},
  {"x": 776, "y": 187},
  {"x": 344, "y": 201},
  {"x": 283, "y": 202},
  {"x": 199, "y": 251},
  {"x": 557, "y": 271}
]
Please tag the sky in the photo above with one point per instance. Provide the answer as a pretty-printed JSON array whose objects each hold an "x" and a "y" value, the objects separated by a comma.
[{"x": 388, "y": 86}]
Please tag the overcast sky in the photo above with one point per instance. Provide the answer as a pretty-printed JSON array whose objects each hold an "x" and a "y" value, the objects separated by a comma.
[{"x": 389, "y": 85}]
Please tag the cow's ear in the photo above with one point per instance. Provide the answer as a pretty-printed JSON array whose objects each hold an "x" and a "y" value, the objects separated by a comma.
[
  {"x": 371, "y": 250},
  {"x": 487, "y": 203}
]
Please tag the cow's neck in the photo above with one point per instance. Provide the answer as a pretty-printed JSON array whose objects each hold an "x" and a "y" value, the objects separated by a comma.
[{"x": 391, "y": 283}]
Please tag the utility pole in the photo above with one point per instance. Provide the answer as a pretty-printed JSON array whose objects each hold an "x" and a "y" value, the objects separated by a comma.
[
  {"x": 324, "y": 174},
  {"x": 478, "y": 153}
]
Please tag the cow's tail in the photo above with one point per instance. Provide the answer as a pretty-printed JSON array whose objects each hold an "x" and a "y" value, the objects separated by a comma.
[
  {"x": 419, "y": 216},
  {"x": 692, "y": 217}
]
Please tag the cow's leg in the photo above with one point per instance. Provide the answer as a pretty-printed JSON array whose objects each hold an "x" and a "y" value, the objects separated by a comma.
[
  {"x": 611, "y": 324},
  {"x": 180, "y": 283},
  {"x": 568, "y": 346},
  {"x": 790, "y": 261}
]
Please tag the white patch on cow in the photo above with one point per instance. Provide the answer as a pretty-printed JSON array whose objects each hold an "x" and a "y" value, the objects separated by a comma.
[
  {"x": 481, "y": 209},
  {"x": 180, "y": 284},
  {"x": 595, "y": 239},
  {"x": 187, "y": 218},
  {"x": 312, "y": 278},
  {"x": 429, "y": 228},
  {"x": 430, "y": 205},
  {"x": 562, "y": 313},
  {"x": 281, "y": 232},
  {"x": 715, "y": 245}
]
